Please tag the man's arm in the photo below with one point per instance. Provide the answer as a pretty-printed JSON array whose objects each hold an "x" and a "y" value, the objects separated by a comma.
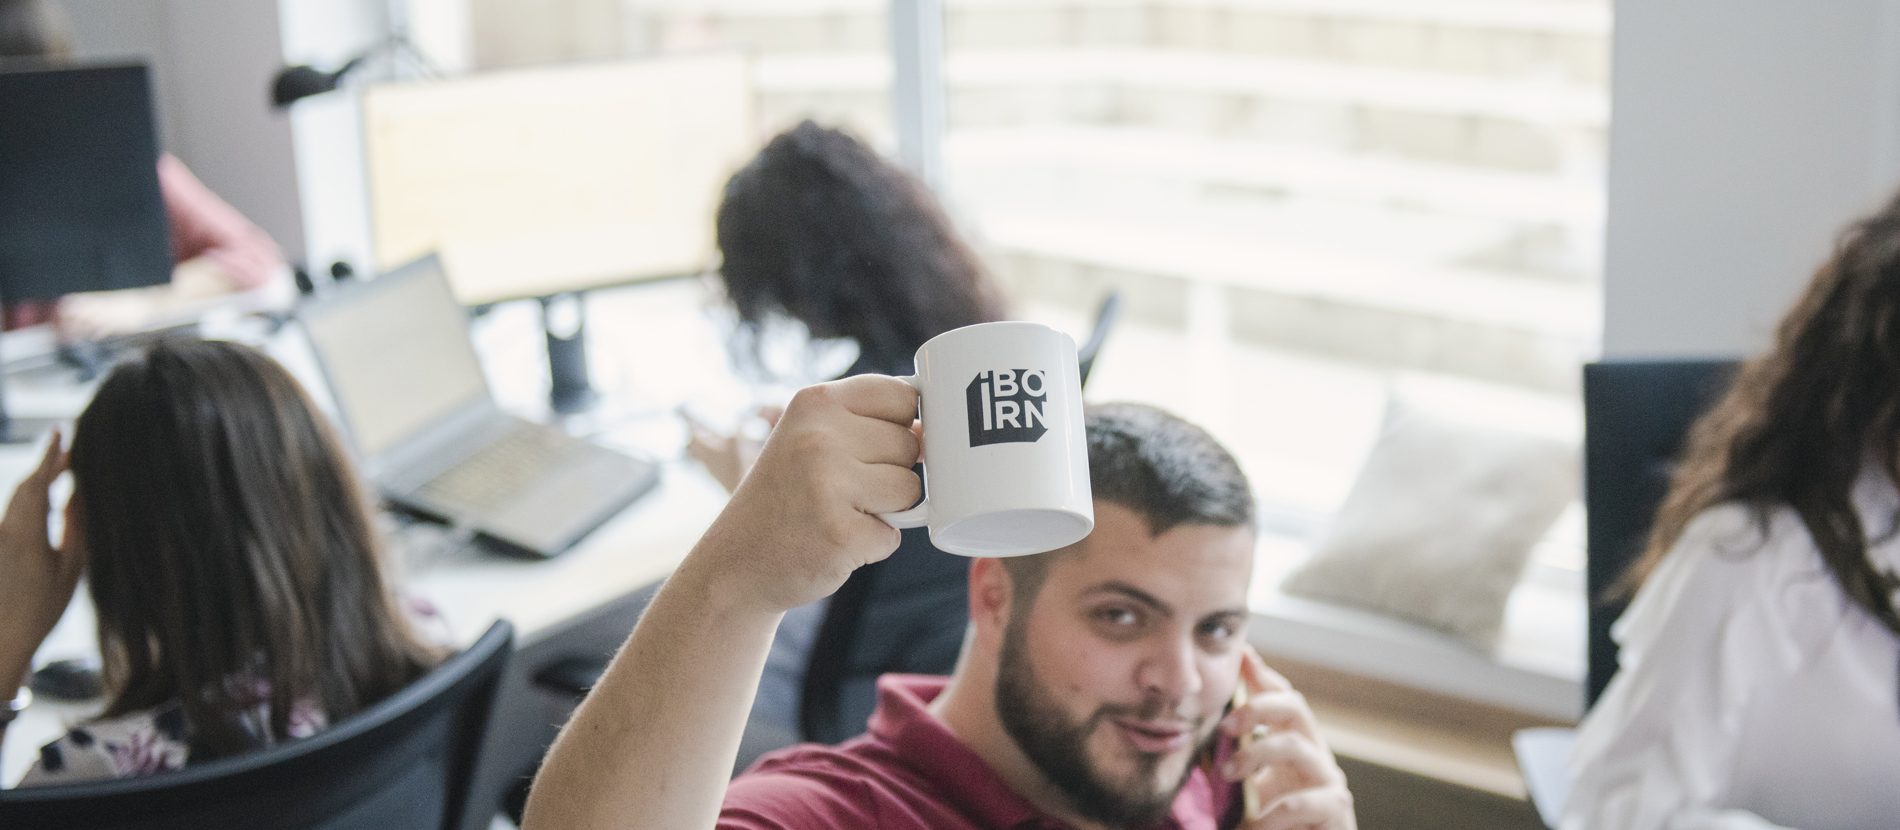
[{"x": 654, "y": 742}]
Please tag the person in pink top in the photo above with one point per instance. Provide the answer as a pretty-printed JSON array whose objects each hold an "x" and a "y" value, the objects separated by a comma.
[
  {"x": 216, "y": 251},
  {"x": 1093, "y": 690},
  {"x": 205, "y": 228}
]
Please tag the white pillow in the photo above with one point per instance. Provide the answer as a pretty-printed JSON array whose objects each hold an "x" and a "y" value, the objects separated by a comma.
[{"x": 1439, "y": 524}]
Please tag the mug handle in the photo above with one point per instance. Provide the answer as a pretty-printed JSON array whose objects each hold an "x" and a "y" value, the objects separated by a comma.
[{"x": 919, "y": 515}]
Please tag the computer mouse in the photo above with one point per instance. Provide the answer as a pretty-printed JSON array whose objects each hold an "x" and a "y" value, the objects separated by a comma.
[{"x": 73, "y": 679}]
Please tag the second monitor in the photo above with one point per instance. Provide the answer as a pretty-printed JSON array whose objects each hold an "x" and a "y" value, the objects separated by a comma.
[{"x": 534, "y": 182}]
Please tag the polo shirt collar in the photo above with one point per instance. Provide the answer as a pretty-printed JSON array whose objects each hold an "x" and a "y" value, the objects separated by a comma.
[{"x": 903, "y": 722}]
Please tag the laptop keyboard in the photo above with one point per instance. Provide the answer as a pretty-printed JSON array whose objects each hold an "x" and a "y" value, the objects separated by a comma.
[{"x": 516, "y": 461}]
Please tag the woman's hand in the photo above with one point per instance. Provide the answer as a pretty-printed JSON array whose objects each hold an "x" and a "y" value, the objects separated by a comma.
[
  {"x": 728, "y": 457},
  {"x": 1284, "y": 757},
  {"x": 36, "y": 579}
]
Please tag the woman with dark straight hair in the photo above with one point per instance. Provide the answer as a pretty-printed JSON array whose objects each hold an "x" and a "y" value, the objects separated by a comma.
[
  {"x": 1759, "y": 683},
  {"x": 232, "y": 564}
]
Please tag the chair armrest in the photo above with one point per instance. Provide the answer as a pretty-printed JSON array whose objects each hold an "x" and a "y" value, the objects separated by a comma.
[{"x": 572, "y": 676}]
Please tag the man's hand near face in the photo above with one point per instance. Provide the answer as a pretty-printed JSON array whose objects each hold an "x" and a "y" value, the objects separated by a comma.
[
  {"x": 1287, "y": 762},
  {"x": 654, "y": 742}
]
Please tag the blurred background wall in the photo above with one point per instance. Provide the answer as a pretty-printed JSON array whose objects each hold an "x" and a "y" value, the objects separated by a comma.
[{"x": 1745, "y": 135}]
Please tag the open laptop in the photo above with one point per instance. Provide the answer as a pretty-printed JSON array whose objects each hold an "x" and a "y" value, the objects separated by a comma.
[{"x": 411, "y": 393}]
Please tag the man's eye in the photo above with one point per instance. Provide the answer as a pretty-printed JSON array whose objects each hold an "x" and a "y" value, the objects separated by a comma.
[{"x": 1220, "y": 633}]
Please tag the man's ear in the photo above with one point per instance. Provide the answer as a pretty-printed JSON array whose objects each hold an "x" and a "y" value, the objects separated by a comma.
[{"x": 991, "y": 593}]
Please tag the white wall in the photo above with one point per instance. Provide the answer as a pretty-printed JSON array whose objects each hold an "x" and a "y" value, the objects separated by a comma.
[
  {"x": 1744, "y": 135},
  {"x": 325, "y": 33},
  {"x": 327, "y": 130},
  {"x": 212, "y": 63},
  {"x": 443, "y": 30},
  {"x": 111, "y": 30}
]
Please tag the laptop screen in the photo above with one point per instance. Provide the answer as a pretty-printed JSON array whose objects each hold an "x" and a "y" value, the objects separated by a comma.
[{"x": 397, "y": 354}]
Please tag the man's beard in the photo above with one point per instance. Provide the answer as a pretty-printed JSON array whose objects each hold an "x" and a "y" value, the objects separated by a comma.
[{"x": 1059, "y": 747}]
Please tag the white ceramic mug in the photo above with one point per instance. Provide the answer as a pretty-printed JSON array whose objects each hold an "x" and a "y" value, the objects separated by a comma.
[{"x": 1006, "y": 464}]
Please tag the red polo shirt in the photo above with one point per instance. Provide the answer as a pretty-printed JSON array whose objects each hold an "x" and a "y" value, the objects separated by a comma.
[{"x": 909, "y": 771}]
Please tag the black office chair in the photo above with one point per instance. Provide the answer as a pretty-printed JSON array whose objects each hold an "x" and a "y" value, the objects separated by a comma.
[
  {"x": 1636, "y": 415},
  {"x": 904, "y": 614},
  {"x": 1105, "y": 316},
  {"x": 405, "y": 762}
]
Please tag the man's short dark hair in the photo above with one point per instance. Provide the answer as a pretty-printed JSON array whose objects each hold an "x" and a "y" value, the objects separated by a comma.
[{"x": 1166, "y": 470}]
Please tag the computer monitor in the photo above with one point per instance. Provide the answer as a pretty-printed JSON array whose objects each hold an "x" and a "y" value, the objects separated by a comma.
[
  {"x": 80, "y": 208},
  {"x": 541, "y": 181}
]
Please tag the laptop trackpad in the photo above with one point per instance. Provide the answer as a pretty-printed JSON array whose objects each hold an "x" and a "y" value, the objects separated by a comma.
[{"x": 557, "y": 512}]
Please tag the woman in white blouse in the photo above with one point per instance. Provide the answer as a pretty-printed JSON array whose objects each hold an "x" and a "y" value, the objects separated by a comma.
[{"x": 1759, "y": 684}]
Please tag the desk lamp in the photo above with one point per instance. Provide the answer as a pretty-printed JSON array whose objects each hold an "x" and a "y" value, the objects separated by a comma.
[{"x": 295, "y": 83}]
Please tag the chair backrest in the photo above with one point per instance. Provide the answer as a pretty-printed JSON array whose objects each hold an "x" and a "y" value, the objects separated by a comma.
[
  {"x": 906, "y": 614},
  {"x": 1636, "y": 415},
  {"x": 1105, "y": 316},
  {"x": 405, "y": 762}
]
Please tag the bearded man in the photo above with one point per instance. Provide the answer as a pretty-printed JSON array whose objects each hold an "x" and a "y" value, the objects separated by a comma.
[{"x": 1093, "y": 690}]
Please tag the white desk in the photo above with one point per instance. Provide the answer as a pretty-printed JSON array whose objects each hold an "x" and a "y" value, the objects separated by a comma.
[{"x": 639, "y": 546}]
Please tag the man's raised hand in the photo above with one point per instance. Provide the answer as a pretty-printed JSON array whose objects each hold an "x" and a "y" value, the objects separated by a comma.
[
  {"x": 653, "y": 744},
  {"x": 804, "y": 517}
]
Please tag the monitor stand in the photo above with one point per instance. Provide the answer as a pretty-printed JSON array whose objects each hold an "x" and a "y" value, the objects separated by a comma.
[{"x": 564, "y": 316}]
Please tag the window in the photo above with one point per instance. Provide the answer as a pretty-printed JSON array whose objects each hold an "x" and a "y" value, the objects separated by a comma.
[
  {"x": 828, "y": 60},
  {"x": 1309, "y": 196},
  {"x": 1305, "y": 204}
]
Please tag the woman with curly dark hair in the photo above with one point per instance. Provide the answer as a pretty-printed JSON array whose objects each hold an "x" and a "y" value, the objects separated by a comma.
[
  {"x": 820, "y": 229},
  {"x": 1759, "y": 683}
]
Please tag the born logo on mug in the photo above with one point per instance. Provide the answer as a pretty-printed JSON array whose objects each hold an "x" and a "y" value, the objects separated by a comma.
[{"x": 1008, "y": 405}]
